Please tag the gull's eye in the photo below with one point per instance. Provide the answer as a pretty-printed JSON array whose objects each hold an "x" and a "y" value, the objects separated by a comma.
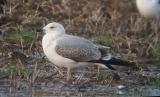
[{"x": 51, "y": 27}]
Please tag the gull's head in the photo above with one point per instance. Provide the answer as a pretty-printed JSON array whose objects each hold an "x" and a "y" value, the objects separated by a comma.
[{"x": 54, "y": 27}]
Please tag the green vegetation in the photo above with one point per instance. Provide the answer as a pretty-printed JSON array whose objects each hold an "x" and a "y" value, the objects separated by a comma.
[
  {"x": 104, "y": 39},
  {"x": 24, "y": 36},
  {"x": 152, "y": 81},
  {"x": 35, "y": 23},
  {"x": 15, "y": 70},
  {"x": 156, "y": 55},
  {"x": 104, "y": 73}
]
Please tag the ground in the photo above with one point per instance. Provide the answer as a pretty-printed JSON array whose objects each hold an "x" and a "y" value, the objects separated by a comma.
[{"x": 114, "y": 23}]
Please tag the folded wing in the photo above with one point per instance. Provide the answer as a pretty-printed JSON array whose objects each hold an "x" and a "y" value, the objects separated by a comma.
[{"x": 77, "y": 49}]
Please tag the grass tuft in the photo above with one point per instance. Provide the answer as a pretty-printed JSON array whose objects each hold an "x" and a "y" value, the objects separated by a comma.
[{"x": 25, "y": 36}]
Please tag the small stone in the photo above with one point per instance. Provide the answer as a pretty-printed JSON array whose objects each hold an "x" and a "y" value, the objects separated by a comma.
[
  {"x": 120, "y": 92},
  {"x": 121, "y": 86}
]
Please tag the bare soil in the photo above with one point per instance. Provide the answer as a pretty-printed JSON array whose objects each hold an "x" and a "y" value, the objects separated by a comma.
[{"x": 114, "y": 23}]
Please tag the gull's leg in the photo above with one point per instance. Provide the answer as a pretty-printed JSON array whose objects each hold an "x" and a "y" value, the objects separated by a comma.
[
  {"x": 68, "y": 74},
  {"x": 60, "y": 71}
]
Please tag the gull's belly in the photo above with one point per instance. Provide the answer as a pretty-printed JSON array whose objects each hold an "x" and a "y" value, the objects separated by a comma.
[{"x": 57, "y": 59}]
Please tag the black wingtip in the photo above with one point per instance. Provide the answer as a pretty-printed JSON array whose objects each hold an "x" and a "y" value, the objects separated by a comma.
[
  {"x": 110, "y": 67},
  {"x": 120, "y": 62},
  {"x": 103, "y": 62},
  {"x": 116, "y": 61}
]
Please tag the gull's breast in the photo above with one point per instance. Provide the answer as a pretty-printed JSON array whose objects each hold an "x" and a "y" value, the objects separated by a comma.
[{"x": 55, "y": 58}]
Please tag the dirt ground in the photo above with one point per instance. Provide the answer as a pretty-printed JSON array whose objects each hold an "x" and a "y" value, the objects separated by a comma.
[{"x": 114, "y": 23}]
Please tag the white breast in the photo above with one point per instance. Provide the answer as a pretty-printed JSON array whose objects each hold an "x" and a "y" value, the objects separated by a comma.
[{"x": 48, "y": 45}]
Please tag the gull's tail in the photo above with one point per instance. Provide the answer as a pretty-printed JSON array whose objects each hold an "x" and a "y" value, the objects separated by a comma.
[
  {"x": 108, "y": 59},
  {"x": 115, "y": 61}
]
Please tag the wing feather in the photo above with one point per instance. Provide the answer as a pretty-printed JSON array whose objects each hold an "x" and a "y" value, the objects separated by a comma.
[{"x": 77, "y": 48}]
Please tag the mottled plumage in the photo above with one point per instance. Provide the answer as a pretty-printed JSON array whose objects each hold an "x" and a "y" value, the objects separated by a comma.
[
  {"x": 77, "y": 49},
  {"x": 72, "y": 51}
]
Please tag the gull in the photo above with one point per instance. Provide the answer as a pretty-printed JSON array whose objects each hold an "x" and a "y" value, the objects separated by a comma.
[
  {"x": 70, "y": 51},
  {"x": 149, "y": 8}
]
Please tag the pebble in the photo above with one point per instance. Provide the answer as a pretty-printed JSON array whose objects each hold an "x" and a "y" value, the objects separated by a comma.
[
  {"x": 121, "y": 87},
  {"x": 120, "y": 92}
]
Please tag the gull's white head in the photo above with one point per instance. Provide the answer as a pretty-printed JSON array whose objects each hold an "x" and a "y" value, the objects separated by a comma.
[
  {"x": 54, "y": 27},
  {"x": 149, "y": 8}
]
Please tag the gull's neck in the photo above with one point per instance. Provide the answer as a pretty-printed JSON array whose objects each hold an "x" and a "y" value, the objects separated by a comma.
[{"x": 51, "y": 36}]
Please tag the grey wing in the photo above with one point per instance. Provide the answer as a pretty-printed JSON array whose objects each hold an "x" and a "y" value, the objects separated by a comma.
[{"x": 77, "y": 49}]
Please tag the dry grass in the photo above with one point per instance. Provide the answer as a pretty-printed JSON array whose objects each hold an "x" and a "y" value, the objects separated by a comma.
[
  {"x": 131, "y": 35},
  {"x": 115, "y": 23}
]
